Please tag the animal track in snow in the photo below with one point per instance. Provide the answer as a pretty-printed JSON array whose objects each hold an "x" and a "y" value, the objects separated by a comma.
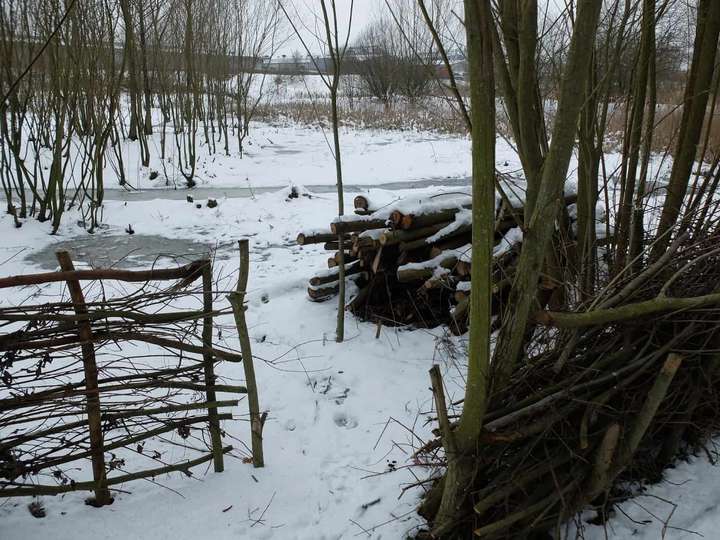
[{"x": 341, "y": 419}]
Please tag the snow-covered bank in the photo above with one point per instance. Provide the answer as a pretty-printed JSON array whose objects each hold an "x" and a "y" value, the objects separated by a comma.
[{"x": 684, "y": 506}]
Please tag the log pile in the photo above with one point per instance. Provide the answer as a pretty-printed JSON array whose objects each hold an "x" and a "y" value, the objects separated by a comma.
[{"x": 411, "y": 258}]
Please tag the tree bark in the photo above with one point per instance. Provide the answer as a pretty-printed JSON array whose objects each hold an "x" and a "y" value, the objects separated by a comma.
[
  {"x": 695, "y": 103},
  {"x": 626, "y": 312},
  {"x": 460, "y": 446},
  {"x": 540, "y": 226},
  {"x": 636, "y": 131}
]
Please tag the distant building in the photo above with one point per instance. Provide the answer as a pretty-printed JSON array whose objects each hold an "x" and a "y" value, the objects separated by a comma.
[{"x": 459, "y": 68}]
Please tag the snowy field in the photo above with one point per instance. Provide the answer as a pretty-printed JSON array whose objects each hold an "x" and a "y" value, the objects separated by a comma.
[
  {"x": 343, "y": 419},
  {"x": 278, "y": 154}
]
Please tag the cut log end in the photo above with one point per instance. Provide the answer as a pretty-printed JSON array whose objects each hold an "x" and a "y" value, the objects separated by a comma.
[{"x": 361, "y": 203}]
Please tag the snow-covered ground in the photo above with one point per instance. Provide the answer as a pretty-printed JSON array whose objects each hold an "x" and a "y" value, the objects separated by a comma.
[
  {"x": 342, "y": 418},
  {"x": 330, "y": 430},
  {"x": 368, "y": 158},
  {"x": 684, "y": 506},
  {"x": 339, "y": 414},
  {"x": 278, "y": 154}
]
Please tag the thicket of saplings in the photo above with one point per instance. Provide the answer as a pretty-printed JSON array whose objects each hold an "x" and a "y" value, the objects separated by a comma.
[
  {"x": 179, "y": 75},
  {"x": 602, "y": 368},
  {"x": 95, "y": 89}
]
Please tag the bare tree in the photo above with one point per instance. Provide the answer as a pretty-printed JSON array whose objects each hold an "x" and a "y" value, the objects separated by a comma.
[
  {"x": 396, "y": 60},
  {"x": 256, "y": 35},
  {"x": 461, "y": 443},
  {"x": 546, "y": 164},
  {"x": 331, "y": 38},
  {"x": 695, "y": 102}
]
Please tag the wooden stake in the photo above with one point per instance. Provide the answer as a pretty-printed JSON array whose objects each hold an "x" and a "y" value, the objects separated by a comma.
[
  {"x": 209, "y": 368},
  {"x": 446, "y": 433},
  {"x": 237, "y": 300},
  {"x": 92, "y": 402}
]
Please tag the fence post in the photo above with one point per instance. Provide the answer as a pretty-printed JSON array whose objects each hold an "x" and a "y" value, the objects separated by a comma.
[
  {"x": 237, "y": 300},
  {"x": 92, "y": 400},
  {"x": 209, "y": 366}
]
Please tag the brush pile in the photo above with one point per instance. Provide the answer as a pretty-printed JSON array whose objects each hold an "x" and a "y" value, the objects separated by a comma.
[
  {"x": 411, "y": 257},
  {"x": 610, "y": 395}
]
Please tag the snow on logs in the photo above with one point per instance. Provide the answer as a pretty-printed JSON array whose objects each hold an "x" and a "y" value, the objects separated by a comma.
[{"x": 410, "y": 258}]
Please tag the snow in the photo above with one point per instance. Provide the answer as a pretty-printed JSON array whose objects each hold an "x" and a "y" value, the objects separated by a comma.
[
  {"x": 379, "y": 198},
  {"x": 419, "y": 206},
  {"x": 464, "y": 253},
  {"x": 336, "y": 410},
  {"x": 683, "y": 506},
  {"x": 316, "y": 231},
  {"x": 511, "y": 238},
  {"x": 437, "y": 264},
  {"x": 343, "y": 418},
  {"x": 331, "y": 272},
  {"x": 285, "y": 88},
  {"x": 462, "y": 219},
  {"x": 280, "y": 153},
  {"x": 464, "y": 286},
  {"x": 373, "y": 234}
]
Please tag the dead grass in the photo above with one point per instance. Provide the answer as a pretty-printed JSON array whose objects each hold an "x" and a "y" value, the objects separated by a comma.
[
  {"x": 429, "y": 114},
  {"x": 668, "y": 117}
]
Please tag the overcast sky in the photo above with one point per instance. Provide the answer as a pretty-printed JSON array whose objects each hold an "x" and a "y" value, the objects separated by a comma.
[{"x": 308, "y": 10}]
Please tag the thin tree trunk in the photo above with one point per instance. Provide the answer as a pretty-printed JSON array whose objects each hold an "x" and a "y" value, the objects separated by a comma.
[
  {"x": 340, "y": 330},
  {"x": 550, "y": 195},
  {"x": 336, "y": 56},
  {"x": 638, "y": 225},
  {"x": 147, "y": 121},
  {"x": 461, "y": 444},
  {"x": 695, "y": 103},
  {"x": 637, "y": 123},
  {"x": 132, "y": 70},
  {"x": 588, "y": 169}
]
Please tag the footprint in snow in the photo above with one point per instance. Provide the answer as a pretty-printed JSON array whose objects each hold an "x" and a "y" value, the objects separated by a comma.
[
  {"x": 343, "y": 420},
  {"x": 329, "y": 387}
]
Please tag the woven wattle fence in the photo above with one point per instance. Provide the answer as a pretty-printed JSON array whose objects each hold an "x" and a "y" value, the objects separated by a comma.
[{"x": 119, "y": 369}]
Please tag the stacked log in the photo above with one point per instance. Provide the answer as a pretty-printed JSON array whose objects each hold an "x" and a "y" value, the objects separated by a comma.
[{"x": 411, "y": 259}]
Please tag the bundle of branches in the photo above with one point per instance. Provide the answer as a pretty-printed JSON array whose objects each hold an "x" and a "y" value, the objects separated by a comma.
[
  {"x": 411, "y": 258},
  {"x": 609, "y": 396}
]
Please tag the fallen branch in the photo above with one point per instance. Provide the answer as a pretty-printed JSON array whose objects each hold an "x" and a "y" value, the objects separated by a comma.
[{"x": 627, "y": 312}]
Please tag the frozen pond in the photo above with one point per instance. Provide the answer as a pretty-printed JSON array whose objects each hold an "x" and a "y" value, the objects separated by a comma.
[
  {"x": 121, "y": 250},
  {"x": 126, "y": 251}
]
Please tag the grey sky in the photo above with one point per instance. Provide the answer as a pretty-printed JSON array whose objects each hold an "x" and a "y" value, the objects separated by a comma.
[{"x": 309, "y": 9}]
